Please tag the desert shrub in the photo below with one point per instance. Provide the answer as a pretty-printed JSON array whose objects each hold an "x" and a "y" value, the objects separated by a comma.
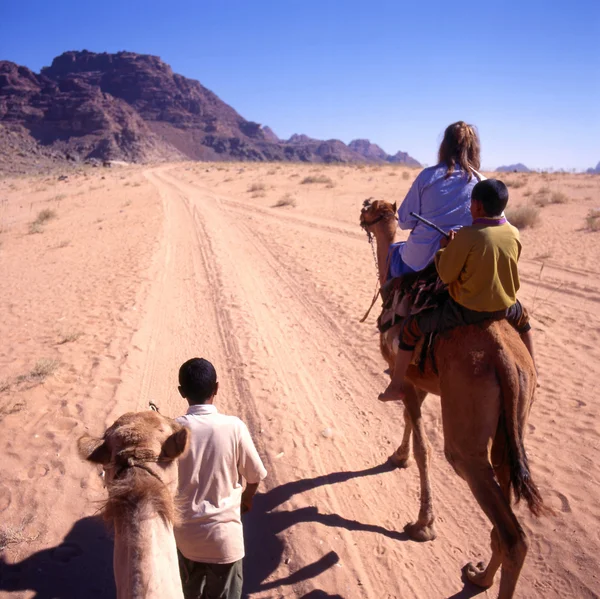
[
  {"x": 44, "y": 216},
  {"x": 256, "y": 187},
  {"x": 69, "y": 336},
  {"x": 514, "y": 183},
  {"x": 558, "y": 197},
  {"x": 316, "y": 179},
  {"x": 42, "y": 369},
  {"x": 541, "y": 197},
  {"x": 35, "y": 227},
  {"x": 523, "y": 217},
  {"x": 405, "y": 175},
  {"x": 593, "y": 220},
  {"x": 286, "y": 200}
]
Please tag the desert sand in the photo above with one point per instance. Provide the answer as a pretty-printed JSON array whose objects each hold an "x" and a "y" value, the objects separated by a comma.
[{"x": 140, "y": 268}]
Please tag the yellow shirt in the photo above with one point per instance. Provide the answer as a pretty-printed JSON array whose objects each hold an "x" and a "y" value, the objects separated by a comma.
[{"x": 480, "y": 266}]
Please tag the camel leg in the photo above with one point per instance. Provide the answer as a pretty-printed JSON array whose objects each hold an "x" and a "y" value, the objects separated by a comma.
[
  {"x": 470, "y": 423},
  {"x": 423, "y": 529},
  {"x": 401, "y": 457},
  {"x": 509, "y": 544},
  {"x": 480, "y": 574}
]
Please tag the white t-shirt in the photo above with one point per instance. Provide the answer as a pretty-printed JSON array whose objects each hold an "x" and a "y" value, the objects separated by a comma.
[{"x": 221, "y": 453}]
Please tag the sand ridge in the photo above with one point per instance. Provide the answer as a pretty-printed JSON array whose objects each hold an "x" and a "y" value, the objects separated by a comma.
[{"x": 150, "y": 266}]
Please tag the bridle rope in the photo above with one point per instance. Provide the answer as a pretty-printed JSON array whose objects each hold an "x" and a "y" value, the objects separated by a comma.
[{"x": 371, "y": 239}]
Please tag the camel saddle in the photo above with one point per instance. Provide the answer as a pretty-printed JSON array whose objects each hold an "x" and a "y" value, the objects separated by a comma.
[{"x": 410, "y": 294}]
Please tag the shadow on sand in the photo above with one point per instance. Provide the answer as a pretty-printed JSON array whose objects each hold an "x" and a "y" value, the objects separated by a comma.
[
  {"x": 264, "y": 550},
  {"x": 81, "y": 566}
]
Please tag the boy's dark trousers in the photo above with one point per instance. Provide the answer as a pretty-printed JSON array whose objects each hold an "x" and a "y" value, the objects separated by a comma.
[{"x": 210, "y": 581}]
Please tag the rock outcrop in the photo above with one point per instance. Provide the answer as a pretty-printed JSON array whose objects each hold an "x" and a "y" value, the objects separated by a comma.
[
  {"x": 132, "y": 107},
  {"x": 513, "y": 168}
]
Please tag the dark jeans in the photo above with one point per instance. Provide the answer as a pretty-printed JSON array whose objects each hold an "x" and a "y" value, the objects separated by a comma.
[
  {"x": 451, "y": 315},
  {"x": 210, "y": 581}
]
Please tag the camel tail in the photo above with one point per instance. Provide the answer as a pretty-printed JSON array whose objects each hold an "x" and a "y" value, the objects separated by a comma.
[{"x": 515, "y": 405}]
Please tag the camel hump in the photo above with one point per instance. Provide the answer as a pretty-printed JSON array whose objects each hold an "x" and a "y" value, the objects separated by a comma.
[{"x": 517, "y": 396}]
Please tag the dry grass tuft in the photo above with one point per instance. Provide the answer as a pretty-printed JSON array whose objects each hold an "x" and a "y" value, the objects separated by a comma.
[
  {"x": 405, "y": 175},
  {"x": 42, "y": 369},
  {"x": 558, "y": 197},
  {"x": 35, "y": 228},
  {"x": 286, "y": 200},
  {"x": 69, "y": 336},
  {"x": 514, "y": 183},
  {"x": 44, "y": 216},
  {"x": 255, "y": 187},
  {"x": 5, "y": 385},
  {"x": 317, "y": 179},
  {"x": 592, "y": 220},
  {"x": 544, "y": 197},
  {"x": 14, "y": 535},
  {"x": 523, "y": 217}
]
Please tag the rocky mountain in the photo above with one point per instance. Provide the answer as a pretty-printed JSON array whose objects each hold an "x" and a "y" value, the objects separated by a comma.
[
  {"x": 513, "y": 168},
  {"x": 594, "y": 171},
  {"x": 132, "y": 107}
]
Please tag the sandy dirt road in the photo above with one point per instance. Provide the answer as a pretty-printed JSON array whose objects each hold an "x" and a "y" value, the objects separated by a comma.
[{"x": 273, "y": 298}]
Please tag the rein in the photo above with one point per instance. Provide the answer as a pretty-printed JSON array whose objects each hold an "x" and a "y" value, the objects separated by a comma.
[
  {"x": 131, "y": 462},
  {"x": 370, "y": 237}
]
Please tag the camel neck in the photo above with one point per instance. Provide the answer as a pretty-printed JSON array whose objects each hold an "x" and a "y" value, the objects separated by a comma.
[
  {"x": 145, "y": 557},
  {"x": 385, "y": 235}
]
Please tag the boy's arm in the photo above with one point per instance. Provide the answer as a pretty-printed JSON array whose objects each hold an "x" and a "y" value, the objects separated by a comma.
[
  {"x": 247, "y": 496},
  {"x": 451, "y": 260},
  {"x": 250, "y": 466}
]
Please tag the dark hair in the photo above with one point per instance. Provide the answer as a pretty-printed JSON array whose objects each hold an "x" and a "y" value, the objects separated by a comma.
[
  {"x": 460, "y": 146},
  {"x": 198, "y": 380},
  {"x": 492, "y": 194}
]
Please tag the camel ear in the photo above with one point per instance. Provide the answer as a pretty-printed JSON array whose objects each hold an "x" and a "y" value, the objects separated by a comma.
[
  {"x": 176, "y": 444},
  {"x": 93, "y": 449},
  {"x": 395, "y": 207}
]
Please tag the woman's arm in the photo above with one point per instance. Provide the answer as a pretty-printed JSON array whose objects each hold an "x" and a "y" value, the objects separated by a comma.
[{"x": 411, "y": 203}]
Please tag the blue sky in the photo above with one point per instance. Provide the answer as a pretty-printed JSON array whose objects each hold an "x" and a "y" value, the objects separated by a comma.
[{"x": 526, "y": 72}]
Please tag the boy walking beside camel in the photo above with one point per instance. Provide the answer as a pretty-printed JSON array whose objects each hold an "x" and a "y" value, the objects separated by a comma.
[{"x": 210, "y": 538}]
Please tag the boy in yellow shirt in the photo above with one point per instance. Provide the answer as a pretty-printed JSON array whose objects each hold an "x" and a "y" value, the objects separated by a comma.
[{"x": 479, "y": 265}]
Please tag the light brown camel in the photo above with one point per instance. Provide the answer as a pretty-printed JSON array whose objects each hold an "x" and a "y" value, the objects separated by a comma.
[
  {"x": 486, "y": 383},
  {"x": 138, "y": 453}
]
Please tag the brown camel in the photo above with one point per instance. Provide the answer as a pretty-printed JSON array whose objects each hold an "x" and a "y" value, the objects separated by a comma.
[
  {"x": 138, "y": 453},
  {"x": 486, "y": 383}
]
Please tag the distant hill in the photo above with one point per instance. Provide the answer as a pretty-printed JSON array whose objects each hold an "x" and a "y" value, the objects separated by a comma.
[
  {"x": 373, "y": 152},
  {"x": 513, "y": 168},
  {"x": 87, "y": 106},
  {"x": 594, "y": 171}
]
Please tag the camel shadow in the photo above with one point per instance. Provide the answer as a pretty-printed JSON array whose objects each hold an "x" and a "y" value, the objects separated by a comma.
[
  {"x": 264, "y": 550},
  {"x": 80, "y": 566}
]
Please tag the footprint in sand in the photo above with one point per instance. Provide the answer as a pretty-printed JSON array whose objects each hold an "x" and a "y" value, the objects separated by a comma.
[
  {"x": 38, "y": 471},
  {"x": 64, "y": 424},
  {"x": 565, "y": 505},
  {"x": 5, "y": 498}
]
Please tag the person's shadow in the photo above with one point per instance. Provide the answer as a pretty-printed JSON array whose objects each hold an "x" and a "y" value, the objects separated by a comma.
[
  {"x": 80, "y": 566},
  {"x": 264, "y": 551}
]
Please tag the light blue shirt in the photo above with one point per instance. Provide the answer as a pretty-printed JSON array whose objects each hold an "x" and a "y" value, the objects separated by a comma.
[{"x": 445, "y": 202}]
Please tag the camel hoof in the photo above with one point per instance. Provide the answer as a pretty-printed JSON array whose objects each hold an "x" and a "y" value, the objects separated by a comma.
[
  {"x": 477, "y": 574},
  {"x": 420, "y": 533},
  {"x": 398, "y": 461}
]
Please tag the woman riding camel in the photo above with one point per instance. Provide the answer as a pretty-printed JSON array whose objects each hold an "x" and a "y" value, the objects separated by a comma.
[{"x": 441, "y": 194}]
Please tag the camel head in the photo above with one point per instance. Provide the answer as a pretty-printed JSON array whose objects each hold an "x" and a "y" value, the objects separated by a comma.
[
  {"x": 375, "y": 212},
  {"x": 137, "y": 440}
]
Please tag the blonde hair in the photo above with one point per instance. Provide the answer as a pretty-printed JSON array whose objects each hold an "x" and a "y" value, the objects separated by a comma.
[{"x": 460, "y": 146}]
